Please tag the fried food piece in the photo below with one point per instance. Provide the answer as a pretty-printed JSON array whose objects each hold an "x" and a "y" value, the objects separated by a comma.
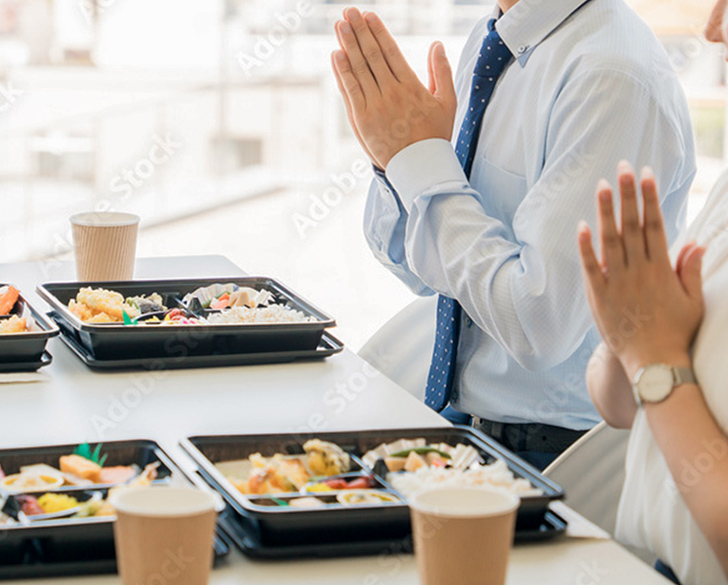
[
  {"x": 278, "y": 474},
  {"x": 81, "y": 311},
  {"x": 13, "y": 325},
  {"x": 110, "y": 302},
  {"x": 326, "y": 458},
  {"x": 101, "y": 318}
]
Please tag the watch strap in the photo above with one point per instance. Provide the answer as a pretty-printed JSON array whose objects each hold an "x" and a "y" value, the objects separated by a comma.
[{"x": 683, "y": 376}]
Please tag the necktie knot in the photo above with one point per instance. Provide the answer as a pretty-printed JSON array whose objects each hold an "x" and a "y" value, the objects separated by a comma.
[{"x": 494, "y": 56}]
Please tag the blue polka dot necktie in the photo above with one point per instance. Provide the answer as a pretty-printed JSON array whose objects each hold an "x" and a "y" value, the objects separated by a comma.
[{"x": 493, "y": 58}]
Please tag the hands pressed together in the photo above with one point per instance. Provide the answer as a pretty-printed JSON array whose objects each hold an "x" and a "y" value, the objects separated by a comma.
[
  {"x": 646, "y": 311},
  {"x": 388, "y": 107}
]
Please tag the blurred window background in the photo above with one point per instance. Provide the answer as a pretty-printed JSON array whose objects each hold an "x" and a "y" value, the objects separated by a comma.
[{"x": 218, "y": 121}]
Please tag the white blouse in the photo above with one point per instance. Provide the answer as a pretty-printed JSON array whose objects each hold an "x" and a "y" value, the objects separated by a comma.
[{"x": 652, "y": 513}]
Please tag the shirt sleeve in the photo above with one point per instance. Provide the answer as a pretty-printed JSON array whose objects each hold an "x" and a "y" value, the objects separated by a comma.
[
  {"x": 385, "y": 218},
  {"x": 385, "y": 221},
  {"x": 523, "y": 286}
]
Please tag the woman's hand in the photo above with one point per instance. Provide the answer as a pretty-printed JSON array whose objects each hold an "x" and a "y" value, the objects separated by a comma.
[{"x": 646, "y": 311}]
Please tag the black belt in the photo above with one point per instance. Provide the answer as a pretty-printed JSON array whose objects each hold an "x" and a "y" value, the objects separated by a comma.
[{"x": 529, "y": 437}]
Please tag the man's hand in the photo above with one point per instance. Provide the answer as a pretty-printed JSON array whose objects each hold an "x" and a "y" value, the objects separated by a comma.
[
  {"x": 388, "y": 107},
  {"x": 646, "y": 311}
]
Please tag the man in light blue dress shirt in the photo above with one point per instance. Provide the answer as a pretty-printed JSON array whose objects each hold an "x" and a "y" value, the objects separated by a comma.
[{"x": 589, "y": 85}]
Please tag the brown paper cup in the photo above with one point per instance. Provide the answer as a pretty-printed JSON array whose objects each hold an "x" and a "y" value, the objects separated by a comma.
[
  {"x": 463, "y": 535},
  {"x": 105, "y": 245},
  {"x": 164, "y": 535}
]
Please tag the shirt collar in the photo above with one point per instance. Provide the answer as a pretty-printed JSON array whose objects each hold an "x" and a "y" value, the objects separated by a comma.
[{"x": 529, "y": 22}]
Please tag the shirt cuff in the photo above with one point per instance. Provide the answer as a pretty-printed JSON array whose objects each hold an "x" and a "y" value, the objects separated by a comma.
[
  {"x": 423, "y": 165},
  {"x": 382, "y": 178}
]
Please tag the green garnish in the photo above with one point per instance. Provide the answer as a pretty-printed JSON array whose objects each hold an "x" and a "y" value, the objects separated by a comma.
[
  {"x": 84, "y": 450},
  {"x": 128, "y": 320},
  {"x": 421, "y": 451},
  {"x": 280, "y": 502}
]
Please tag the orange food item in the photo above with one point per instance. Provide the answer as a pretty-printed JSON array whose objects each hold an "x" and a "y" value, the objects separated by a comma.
[
  {"x": 8, "y": 298},
  {"x": 120, "y": 474},
  {"x": 81, "y": 467}
]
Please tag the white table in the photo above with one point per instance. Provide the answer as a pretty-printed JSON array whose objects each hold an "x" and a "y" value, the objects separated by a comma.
[{"x": 341, "y": 393}]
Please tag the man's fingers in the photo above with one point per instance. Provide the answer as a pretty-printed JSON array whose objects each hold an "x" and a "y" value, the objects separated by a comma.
[
  {"x": 340, "y": 85},
  {"x": 612, "y": 248},
  {"x": 593, "y": 273},
  {"x": 634, "y": 241},
  {"x": 442, "y": 72},
  {"x": 655, "y": 237},
  {"x": 355, "y": 98},
  {"x": 369, "y": 46},
  {"x": 392, "y": 53},
  {"x": 358, "y": 65},
  {"x": 431, "y": 70}
]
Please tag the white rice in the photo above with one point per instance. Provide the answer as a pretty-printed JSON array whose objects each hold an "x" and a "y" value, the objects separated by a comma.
[
  {"x": 269, "y": 314},
  {"x": 496, "y": 475}
]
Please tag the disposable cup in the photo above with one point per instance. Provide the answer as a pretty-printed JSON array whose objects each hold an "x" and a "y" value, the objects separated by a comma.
[
  {"x": 463, "y": 535},
  {"x": 105, "y": 245},
  {"x": 164, "y": 535}
]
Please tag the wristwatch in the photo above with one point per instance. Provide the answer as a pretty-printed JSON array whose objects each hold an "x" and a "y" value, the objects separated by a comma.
[{"x": 655, "y": 383}]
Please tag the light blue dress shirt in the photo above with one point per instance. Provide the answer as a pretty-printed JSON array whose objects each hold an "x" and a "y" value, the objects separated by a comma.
[{"x": 590, "y": 85}]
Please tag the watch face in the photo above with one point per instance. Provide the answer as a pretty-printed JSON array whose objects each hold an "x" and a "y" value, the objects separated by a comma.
[{"x": 655, "y": 383}]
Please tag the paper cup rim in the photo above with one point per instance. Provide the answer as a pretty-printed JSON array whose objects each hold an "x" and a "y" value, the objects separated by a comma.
[
  {"x": 511, "y": 502},
  {"x": 114, "y": 219},
  {"x": 205, "y": 503}
]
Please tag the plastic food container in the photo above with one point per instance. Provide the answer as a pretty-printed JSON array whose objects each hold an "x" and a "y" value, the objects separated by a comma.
[
  {"x": 333, "y": 524},
  {"x": 76, "y": 546},
  {"x": 26, "y": 352},
  {"x": 118, "y": 342}
]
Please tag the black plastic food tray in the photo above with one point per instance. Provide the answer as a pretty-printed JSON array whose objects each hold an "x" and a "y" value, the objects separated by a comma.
[
  {"x": 74, "y": 546},
  {"x": 247, "y": 542},
  {"x": 328, "y": 346},
  {"x": 23, "y": 367},
  {"x": 22, "y": 352},
  {"x": 286, "y": 527},
  {"x": 111, "y": 341}
]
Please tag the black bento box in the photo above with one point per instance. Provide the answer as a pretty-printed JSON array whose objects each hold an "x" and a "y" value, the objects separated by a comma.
[
  {"x": 288, "y": 527},
  {"x": 115, "y": 341},
  {"x": 23, "y": 352},
  {"x": 76, "y": 545}
]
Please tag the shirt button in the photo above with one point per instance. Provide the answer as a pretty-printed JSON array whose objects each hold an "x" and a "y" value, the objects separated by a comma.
[{"x": 522, "y": 49}]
